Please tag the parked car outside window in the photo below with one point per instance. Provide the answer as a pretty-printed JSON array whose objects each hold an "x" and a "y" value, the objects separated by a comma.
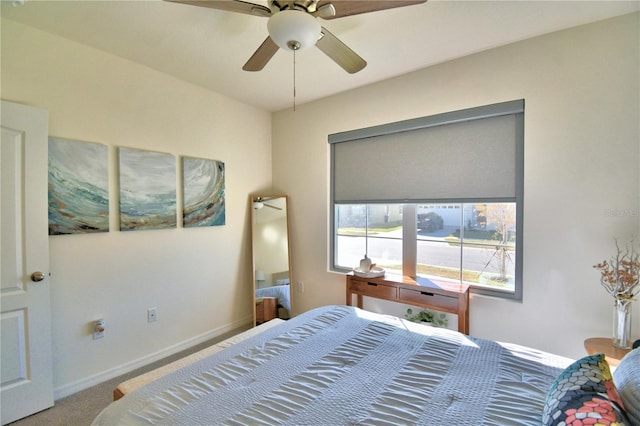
[{"x": 430, "y": 222}]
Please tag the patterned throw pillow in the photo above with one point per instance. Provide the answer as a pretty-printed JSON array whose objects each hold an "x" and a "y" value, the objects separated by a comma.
[{"x": 584, "y": 394}]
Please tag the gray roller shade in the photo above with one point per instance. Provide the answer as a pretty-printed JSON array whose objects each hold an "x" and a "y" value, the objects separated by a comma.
[{"x": 464, "y": 155}]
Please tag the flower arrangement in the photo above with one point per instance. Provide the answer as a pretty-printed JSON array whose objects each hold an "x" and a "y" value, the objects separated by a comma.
[{"x": 620, "y": 276}]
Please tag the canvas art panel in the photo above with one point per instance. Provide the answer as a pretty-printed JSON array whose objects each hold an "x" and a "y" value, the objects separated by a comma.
[
  {"x": 203, "y": 186},
  {"x": 147, "y": 190},
  {"x": 78, "y": 187}
]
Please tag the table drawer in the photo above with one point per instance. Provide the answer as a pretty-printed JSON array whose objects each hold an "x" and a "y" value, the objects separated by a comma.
[
  {"x": 374, "y": 289},
  {"x": 424, "y": 297}
]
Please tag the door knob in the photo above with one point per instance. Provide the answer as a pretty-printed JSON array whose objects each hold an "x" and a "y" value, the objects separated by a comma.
[{"x": 37, "y": 276}]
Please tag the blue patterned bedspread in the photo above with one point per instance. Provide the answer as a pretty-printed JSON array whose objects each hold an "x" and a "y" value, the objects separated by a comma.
[{"x": 340, "y": 365}]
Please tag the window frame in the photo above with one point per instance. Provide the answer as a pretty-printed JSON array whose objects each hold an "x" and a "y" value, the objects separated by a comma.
[{"x": 409, "y": 255}]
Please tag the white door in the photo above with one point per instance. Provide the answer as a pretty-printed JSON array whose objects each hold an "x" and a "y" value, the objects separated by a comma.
[{"x": 26, "y": 385}]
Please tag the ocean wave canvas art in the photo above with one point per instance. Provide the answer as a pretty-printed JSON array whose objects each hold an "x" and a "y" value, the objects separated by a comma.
[
  {"x": 78, "y": 187},
  {"x": 203, "y": 186},
  {"x": 147, "y": 190}
]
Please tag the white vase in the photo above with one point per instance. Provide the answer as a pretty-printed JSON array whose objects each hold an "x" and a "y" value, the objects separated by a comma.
[{"x": 622, "y": 323}]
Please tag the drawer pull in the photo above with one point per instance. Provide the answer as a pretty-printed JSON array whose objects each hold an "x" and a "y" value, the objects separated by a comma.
[
  {"x": 426, "y": 293},
  {"x": 373, "y": 284}
]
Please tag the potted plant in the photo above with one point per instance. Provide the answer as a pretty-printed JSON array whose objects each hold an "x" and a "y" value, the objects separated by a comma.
[{"x": 427, "y": 316}]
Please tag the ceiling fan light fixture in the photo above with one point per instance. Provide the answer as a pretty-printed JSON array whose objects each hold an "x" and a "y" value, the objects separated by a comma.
[{"x": 293, "y": 29}]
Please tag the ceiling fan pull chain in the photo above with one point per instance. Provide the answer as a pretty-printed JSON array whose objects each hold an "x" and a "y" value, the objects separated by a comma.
[{"x": 294, "y": 81}]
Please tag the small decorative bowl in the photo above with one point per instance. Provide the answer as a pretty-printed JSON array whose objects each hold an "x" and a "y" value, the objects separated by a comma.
[{"x": 374, "y": 272}]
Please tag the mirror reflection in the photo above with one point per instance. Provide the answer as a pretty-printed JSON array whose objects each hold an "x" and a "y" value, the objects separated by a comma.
[{"x": 271, "y": 257}]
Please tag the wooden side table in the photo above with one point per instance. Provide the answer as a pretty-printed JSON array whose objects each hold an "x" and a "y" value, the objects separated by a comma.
[
  {"x": 613, "y": 355},
  {"x": 266, "y": 309}
]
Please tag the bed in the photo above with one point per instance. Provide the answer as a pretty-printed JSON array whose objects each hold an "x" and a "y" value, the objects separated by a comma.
[
  {"x": 282, "y": 295},
  {"x": 137, "y": 382},
  {"x": 341, "y": 365}
]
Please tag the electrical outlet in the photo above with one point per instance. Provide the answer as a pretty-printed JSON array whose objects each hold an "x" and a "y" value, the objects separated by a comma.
[
  {"x": 98, "y": 329},
  {"x": 152, "y": 314},
  {"x": 300, "y": 287}
]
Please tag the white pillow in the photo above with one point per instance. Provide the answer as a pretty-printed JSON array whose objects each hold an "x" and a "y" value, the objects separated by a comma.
[{"x": 627, "y": 380}]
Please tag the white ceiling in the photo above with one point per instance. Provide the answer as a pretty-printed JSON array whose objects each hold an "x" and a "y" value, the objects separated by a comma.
[{"x": 208, "y": 47}]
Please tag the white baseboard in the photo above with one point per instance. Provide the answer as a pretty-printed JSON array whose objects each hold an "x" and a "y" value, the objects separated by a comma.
[{"x": 87, "y": 382}]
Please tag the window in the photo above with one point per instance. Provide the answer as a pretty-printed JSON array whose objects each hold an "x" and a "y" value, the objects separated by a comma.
[
  {"x": 473, "y": 243},
  {"x": 375, "y": 229},
  {"x": 438, "y": 196}
]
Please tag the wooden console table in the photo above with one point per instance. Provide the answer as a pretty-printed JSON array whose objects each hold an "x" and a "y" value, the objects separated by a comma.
[{"x": 440, "y": 296}]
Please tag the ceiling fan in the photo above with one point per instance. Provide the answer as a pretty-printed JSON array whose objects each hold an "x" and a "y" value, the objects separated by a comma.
[
  {"x": 261, "y": 202},
  {"x": 293, "y": 26}
]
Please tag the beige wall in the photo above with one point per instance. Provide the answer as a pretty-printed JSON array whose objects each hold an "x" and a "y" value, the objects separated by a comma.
[
  {"x": 199, "y": 279},
  {"x": 270, "y": 248},
  {"x": 582, "y": 180}
]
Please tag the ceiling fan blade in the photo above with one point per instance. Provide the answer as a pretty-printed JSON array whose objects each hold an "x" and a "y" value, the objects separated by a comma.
[
  {"x": 340, "y": 52},
  {"x": 356, "y": 7},
  {"x": 260, "y": 57},
  {"x": 273, "y": 207},
  {"x": 238, "y": 6}
]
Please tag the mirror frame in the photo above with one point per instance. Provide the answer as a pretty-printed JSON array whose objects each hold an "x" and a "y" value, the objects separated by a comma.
[{"x": 252, "y": 199}]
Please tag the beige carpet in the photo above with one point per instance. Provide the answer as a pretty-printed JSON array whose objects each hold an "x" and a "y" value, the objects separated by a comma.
[{"x": 81, "y": 408}]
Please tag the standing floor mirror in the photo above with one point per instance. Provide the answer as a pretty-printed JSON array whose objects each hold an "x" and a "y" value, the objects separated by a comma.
[{"x": 271, "y": 257}]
